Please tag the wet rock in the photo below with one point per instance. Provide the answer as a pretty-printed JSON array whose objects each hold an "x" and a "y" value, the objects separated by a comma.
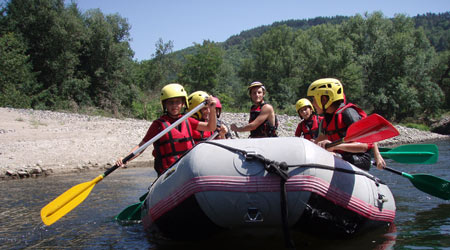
[
  {"x": 11, "y": 173},
  {"x": 442, "y": 127},
  {"x": 23, "y": 174}
]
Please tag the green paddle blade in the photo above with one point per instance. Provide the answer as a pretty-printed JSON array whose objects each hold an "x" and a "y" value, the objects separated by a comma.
[
  {"x": 131, "y": 213},
  {"x": 412, "y": 153},
  {"x": 429, "y": 184}
]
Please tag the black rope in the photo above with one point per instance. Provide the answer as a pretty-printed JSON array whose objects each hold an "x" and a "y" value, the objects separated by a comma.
[
  {"x": 250, "y": 155},
  {"x": 281, "y": 169}
]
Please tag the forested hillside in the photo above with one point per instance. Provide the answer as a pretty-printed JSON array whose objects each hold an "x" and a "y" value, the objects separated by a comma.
[{"x": 56, "y": 57}]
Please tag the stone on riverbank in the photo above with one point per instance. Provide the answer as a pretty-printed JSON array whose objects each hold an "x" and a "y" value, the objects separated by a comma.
[{"x": 37, "y": 143}]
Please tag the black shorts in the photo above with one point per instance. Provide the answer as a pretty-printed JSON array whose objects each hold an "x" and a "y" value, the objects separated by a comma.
[{"x": 360, "y": 160}]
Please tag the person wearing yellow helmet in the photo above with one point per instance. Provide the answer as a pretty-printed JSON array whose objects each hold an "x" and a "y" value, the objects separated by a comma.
[
  {"x": 194, "y": 100},
  {"x": 328, "y": 98},
  {"x": 263, "y": 122},
  {"x": 309, "y": 127},
  {"x": 171, "y": 146}
]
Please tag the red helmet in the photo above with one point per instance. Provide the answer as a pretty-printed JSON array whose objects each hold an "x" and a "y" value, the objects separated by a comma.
[
  {"x": 218, "y": 107},
  {"x": 218, "y": 104}
]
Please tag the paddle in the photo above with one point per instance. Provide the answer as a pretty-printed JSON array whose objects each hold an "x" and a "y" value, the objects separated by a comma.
[
  {"x": 371, "y": 129},
  {"x": 412, "y": 153},
  {"x": 70, "y": 199},
  {"x": 429, "y": 184},
  {"x": 132, "y": 212}
]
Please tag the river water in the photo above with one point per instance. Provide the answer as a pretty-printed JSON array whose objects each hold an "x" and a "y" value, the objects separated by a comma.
[{"x": 422, "y": 221}]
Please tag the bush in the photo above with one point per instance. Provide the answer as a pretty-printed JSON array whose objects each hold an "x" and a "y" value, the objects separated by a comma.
[{"x": 417, "y": 126}]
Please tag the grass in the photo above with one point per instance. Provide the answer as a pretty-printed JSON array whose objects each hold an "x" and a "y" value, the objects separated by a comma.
[
  {"x": 37, "y": 123},
  {"x": 422, "y": 127}
]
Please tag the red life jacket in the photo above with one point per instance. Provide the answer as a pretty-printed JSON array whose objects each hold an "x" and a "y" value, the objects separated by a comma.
[
  {"x": 171, "y": 146},
  {"x": 337, "y": 129},
  {"x": 200, "y": 136},
  {"x": 265, "y": 129},
  {"x": 313, "y": 132}
]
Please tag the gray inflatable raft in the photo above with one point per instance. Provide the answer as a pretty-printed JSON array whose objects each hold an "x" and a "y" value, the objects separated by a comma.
[{"x": 262, "y": 185}]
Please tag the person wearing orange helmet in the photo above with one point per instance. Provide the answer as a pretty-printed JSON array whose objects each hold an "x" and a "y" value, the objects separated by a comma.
[
  {"x": 309, "y": 127},
  {"x": 171, "y": 146},
  {"x": 328, "y": 98},
  {"x": 262, "y": 122}
]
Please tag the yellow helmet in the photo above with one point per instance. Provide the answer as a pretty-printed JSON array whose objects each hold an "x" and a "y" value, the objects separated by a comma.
[
  {"x": 302, "y": 103},
  {"x": 256, "y": 84},
  {"x": 194, "y": 100},
  {"x": 172, "y": 90},
  {"x": 327, "y": 86}
]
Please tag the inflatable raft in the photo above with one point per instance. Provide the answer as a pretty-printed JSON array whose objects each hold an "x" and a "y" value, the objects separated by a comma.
[{"x": 259, "y": 186}]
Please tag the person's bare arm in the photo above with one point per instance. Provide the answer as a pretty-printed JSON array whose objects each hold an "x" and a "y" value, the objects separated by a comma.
[
  {"x": 266, "y": 113},
  {"x": 212, "y": 120},
  {"x": 352, "y": 147},
  {"x": 378, "y": 158}
]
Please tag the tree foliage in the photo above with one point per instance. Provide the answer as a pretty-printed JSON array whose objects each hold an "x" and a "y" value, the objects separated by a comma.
[
  {"x": 56, "y": 57},
  {"x": 17, "y": 81},
  {"x": 78, "y": 59},
  {"x": 201, "y": 70}
]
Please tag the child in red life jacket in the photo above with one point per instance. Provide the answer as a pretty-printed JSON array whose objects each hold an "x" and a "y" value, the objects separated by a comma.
[
  {"x": 328, "y": 99},
  {"x": 263, "y": 122},
  {"x": 177, "y": 141},
  {"x": 194, "y": 100},
  {"x": 309, "y": 126}
]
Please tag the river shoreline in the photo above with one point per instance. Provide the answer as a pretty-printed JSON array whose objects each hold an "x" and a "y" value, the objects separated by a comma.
[{"x": 37, "y": 143}]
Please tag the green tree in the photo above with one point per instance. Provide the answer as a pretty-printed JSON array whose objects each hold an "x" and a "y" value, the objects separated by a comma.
[
  {"x": 272, "y": 63},
  {"x": 17, "y": 81},
  {"x": 155, "y": 73},
  {"x": 397, "y": 60},
  {"x": 106, "y": 60},
  {"x": 52, "y": 35},
  {"x": 441, "y": 76},
  {"x": 202, "y": 68}
]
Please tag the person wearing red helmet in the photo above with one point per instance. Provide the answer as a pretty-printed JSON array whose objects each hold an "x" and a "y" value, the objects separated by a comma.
[{"x": 224, "y": 130}]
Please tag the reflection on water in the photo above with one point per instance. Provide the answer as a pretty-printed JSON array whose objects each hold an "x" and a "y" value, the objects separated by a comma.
[
  {"x": 422, "y": 221},
  {"x": 90, "y": 225}
]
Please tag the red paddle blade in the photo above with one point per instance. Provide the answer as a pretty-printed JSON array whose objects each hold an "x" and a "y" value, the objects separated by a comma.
[{"x": 371, "y": 129}]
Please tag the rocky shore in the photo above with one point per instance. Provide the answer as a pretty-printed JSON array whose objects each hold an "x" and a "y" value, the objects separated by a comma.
[{"x": 37, "y": 143}]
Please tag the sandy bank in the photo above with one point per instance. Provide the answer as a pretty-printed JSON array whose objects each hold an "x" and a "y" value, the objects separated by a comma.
[{"x": 36, "y": 143}]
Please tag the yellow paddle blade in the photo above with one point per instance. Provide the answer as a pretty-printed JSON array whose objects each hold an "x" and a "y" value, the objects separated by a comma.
[{"x": 67, "y": 201}]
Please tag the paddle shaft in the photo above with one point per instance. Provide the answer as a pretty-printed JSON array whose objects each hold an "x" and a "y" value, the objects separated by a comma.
[
  {"x": 393, "y": 171},
  {"x": 155, "y": 138}
]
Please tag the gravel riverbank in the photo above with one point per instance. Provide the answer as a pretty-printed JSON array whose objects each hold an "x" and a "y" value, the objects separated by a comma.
[{"x": 37, "y": 143}]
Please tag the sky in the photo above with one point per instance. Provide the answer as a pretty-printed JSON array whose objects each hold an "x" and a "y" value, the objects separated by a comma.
[{"x": 185, "y": 22}]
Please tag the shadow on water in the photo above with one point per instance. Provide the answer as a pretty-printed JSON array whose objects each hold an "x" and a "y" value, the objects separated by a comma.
[{"x": 378, "y": 239}]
